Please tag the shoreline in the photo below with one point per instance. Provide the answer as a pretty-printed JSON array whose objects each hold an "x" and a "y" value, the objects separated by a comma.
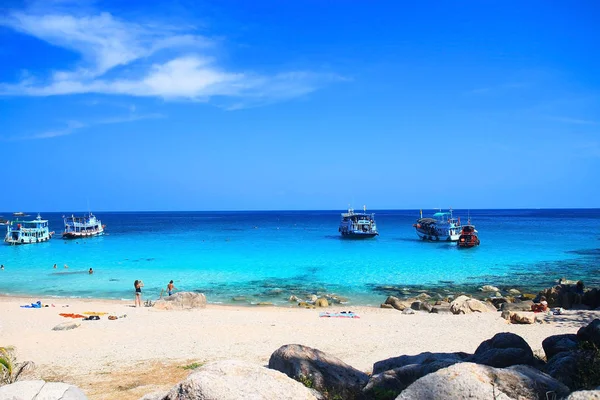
[{"x": 99, "y": 356}]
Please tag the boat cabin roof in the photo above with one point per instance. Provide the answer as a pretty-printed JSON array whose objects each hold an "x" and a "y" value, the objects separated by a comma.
[
  {"x": 441, "y": 214},
  {"x": 357, "y": 215}
]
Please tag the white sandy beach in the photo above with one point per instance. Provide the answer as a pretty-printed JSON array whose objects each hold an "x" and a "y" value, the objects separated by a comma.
[{"x": 118, "y": 359}]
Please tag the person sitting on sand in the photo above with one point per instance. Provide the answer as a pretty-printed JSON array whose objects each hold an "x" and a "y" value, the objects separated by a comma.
[
  {"x": 170, "y": 288},
  {"x": 138, "y": 284},
  {"x": 542, "y": 306},
  {"x": 91, "y": 271}
]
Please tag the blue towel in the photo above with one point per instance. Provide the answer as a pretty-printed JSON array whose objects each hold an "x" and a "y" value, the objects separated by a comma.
[{"x": 37, "y": 304}]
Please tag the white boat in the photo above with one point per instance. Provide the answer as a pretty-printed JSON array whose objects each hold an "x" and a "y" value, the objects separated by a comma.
[
  {"x": 358, "y": 225},
  {"x": 441, "y": 227},
  {"x": 77, "y": 227},
  {"x": 25, "y": 232}
]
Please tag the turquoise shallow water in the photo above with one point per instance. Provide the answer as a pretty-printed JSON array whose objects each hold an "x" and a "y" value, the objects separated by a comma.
[{"x": 267, "y": 256}]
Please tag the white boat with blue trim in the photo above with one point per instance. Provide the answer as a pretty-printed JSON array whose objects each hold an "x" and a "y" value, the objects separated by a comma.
[
  {"x": 357, "y": 225},
  {"x": 26, "y": 232},
  {"x": 441, "y": 227},
  {"x": 86, "y": 226}
]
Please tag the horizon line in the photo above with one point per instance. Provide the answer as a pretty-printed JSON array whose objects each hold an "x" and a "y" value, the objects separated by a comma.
[{"x": 316, "y": 209}]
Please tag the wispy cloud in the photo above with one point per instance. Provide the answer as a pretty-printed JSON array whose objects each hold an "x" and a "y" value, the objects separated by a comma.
[
  {"x": 74, "y": 126},
  {"x": 574, "y": 121},
  {"x": 497, "y": 88},
  {"x": 166, "y": 62}
]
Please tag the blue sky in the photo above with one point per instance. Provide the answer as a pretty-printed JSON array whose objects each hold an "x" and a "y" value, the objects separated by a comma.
[{"x": 243, "y": 105}]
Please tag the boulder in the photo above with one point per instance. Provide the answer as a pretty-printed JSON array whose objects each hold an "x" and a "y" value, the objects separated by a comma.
[
  {"x": 322, "y": 302},
  {"x": 564, "y": 295},
  {"x": 293, "y": 298},
  {"x": 30, "y": 390},
  {"x": 467, "y": 305},
  {"x": 326, "y": 373},
  {"x": 421, "y": 306},
  {"x": 397, "y": 303},
  {"x": 481, "y": 382},
  {"x": 590, "y": 333},
  {"x": 522, "y": 317},
  {"x": 389, "y": 384},
  {"x": 585, "y": 395},
  {"x": 383, "y": 305},
  {"x": 181, "y": 301},
  {"x": 520, "y": 306},
  {"x": 233, "y": 380},
  {"x": 563, "y": 367},
  {"x": 421, "y": 358},
  {"x": 558, "y": 343},
  {"x": 67, "y": 326},
  {"x": 503, "y": 350},
  {"x": 408, "y": 311},
  {"x": 591, "y": 298},
  {"x": 514, "y": 292},
  {"x": 498, "y": 301},
  {"x": 442, "y": 309}
]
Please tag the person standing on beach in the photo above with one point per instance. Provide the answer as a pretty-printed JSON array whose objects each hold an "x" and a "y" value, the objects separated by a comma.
[
  {"x": 138, "y": 284},
  {"x": 170, "y": 288}
]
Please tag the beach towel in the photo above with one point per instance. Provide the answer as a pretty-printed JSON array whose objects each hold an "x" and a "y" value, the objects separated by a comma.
[
  {"x": 37, "y": 304},
  {"x": 94, "y": 313},
  {"x": 71, "y": 315},
  {"x": 342, "y": 314}
]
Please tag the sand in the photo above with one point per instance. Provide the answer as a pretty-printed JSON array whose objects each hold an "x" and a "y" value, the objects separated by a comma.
[{"x": 147, "y": 350}]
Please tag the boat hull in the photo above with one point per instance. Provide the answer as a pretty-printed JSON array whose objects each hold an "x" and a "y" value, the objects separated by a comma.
[
  {"x": 467, "y": 241},
  {"x": 359, "y": 235},
  {"x": 437, "y": 237},
  {"x": 79, "y": 235},
  {"x": 27, "y": 240}
]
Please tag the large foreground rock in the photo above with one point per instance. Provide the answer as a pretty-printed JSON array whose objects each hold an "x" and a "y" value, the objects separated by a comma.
[
  {"x": 392, "y": 376},
  {"x": 40, "y": 390},
  {"x": 234, "y": 380},
  {"x": 558, "y": 343},
  {"x": 585, "y": 395},
  {"x": 181, "y": 301},
  {"x": 422, "y": 358},
  {"x": 481, "y": 382},
  {"x": 590, "y": 333},
  {"x": 563, "y": 367},
  {"x": 325, "y": 373},
  {"x": 503, "y": 350},
  {"x": 467, "y": 305}
]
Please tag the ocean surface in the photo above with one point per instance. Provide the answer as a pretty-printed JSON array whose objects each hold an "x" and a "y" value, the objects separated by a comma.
[{"x": 268, "y": 256}]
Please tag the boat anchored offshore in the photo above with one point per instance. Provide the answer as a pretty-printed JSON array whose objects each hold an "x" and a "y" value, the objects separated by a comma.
[
  {"x": 25, "y": 232},
  {"x": 468, "y": 237},
  {"x": 358, "y": 225},
  {"x": 77, "y": 227},
  {"x": 443, "y": 226}
]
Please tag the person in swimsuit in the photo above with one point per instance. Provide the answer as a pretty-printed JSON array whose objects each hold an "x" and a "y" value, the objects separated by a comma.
[
  {"x": 170, "y": 288},
  {"x": 91, "y": 271},
  {"x": 138, "y": 292}
]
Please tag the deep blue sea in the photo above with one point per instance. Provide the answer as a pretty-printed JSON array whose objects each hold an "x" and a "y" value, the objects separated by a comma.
[{"x": 268, "y": 256}]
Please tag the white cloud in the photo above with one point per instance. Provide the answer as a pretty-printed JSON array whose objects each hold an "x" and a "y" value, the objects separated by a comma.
[
  {"x": 74, "y": 126},
  {"x": 106, "y": 45}
]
